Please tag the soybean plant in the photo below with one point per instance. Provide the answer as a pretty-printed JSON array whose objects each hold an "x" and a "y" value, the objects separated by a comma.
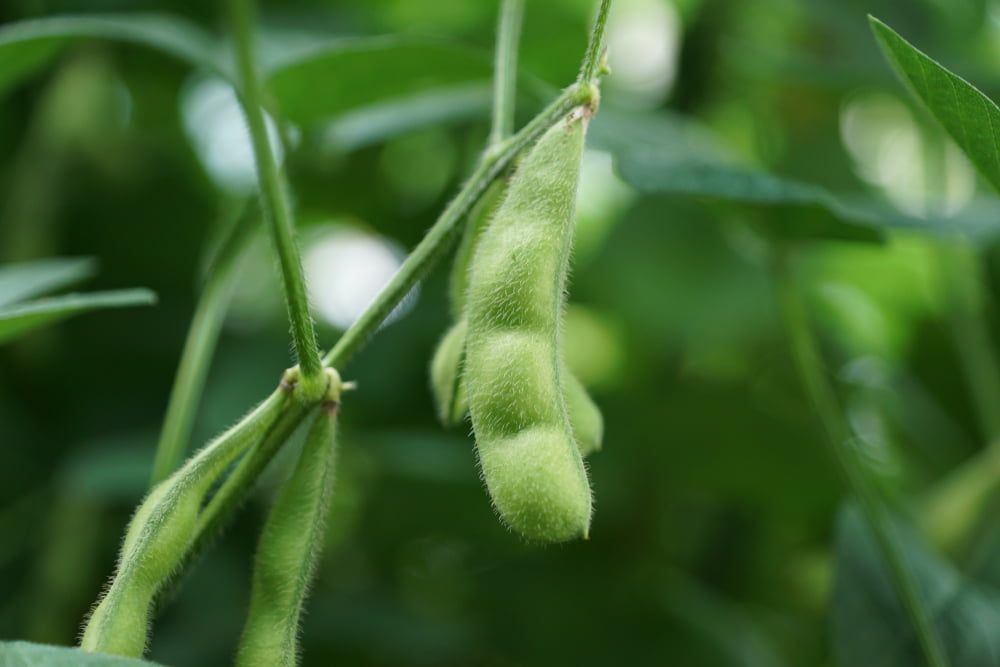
[{"x": 504, "y": 352}]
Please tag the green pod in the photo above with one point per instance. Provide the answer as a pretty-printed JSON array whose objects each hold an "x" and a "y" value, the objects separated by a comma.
[
  {"x": 584, "y": 415},
  {"x": 453, "y": 402},
  {"x": 513, "y": 369},
  {"x": 447, "y": 386},
  {"x": 159, "y": 535},
  {"x": 289, "y": 548},
  {"x": 479, "y": 218}
]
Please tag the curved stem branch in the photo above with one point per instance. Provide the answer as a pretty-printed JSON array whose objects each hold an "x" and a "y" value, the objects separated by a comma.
[
  {"x": 274, "y": 200},
  {"x": 199, "y": 347},
  {"x": 505, "y": 70},
  {"x": 839, "y": 437}
]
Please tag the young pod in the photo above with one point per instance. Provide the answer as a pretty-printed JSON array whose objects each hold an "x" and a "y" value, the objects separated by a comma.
[
  {"x": 447, "y": 386},
  {"x": 584, "y": 416},
  {"x": 453, "y": 402},
  {"x": 513, "y": 370},
  {"x": 159, "y": 535},
  {"x": 290, "y": 546}
]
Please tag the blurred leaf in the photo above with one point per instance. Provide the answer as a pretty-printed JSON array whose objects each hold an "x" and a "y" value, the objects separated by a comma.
[
  {"x": 27, "y": 45},
  {"x": 732, "y": 632},
  {"x": 971, "y": 118},
  {"x": 795, "y": 209},
  {"x": 357, "y": 72},
  {"x": 622, "y": 132},
  {"x": 26, "y": 654},
  {"x": 22, "y": 318},
  {"x": 373, "y": 124},
  {"x": 28, "y": 279},
  {"x": 870, "y": 627}
]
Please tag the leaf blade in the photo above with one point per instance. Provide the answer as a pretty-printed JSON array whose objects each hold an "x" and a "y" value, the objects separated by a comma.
[
  {"x": 970, "y": 117},
  {"x": 28, "y": 279},
  {"x": 20, "y": 319},
  {"x": 350, "y": 73},
  {"x": 26, "y": 46},
  {"x": 28, "y": 654}
]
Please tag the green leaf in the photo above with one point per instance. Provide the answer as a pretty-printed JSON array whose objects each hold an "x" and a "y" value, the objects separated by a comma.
[
  {"x": 871, "y": 629},
  {"x": 355, "y": 72},
  {"x": 21, "y": 318},
  {"x": 373, "y": 124},
  {"x": 28, "y": 45},
  {"x": 26, "y": 654},
  {"x": 971, "y": 118},
  {"x": 794, "y": 209},
  {"x": 28, "y": 279}
]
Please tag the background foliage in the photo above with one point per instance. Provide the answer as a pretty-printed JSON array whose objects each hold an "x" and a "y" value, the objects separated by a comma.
[{"x": 716, "y": 508}]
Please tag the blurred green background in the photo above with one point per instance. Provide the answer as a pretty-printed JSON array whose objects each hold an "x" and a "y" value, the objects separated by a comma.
[{"x": 715, "y": 500}]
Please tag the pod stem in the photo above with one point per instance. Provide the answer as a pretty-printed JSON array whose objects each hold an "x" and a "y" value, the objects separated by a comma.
[
  {"x": 275, "y": 201},
  {"x": 505, "y": 69},
  {"x": 202, "y": 336},
  {"x": 592, "y": 66},
  {"x": 839, "y": 438}
]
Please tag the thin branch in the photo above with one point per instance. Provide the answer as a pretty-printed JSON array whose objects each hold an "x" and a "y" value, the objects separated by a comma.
[
  {"x": 274, "y": 199},
  {"x": 199, "y": 348},
  {"x": 505, "y": 69},
  {"x": 595, "y": 47}
]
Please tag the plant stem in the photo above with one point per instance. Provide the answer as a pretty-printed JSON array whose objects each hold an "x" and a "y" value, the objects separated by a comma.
[
  {"x": 589, "y": 70},
  {"x": 505, "y": 69},
  {"x": 438, "y": 239},
  {"x": 274, "y": 200},
  {"x": 199, "y": 347},
  {"x": 839, "y": 437},
  {"x": 971, "y": 334}
]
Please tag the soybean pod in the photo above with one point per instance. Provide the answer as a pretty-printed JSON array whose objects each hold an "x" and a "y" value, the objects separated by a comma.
[
  {"x": 159, "y": 536},
  {"x": 289, "y": 547},
  {"x": 447, "y": 382},
  {"x": 513, "y": 370}
]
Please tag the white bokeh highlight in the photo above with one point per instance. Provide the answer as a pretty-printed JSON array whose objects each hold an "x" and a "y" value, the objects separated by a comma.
[
  {"x": 644, "y": 39},
  {"x": 215, "y": 125},
  {"x": 345, "y": 269}
]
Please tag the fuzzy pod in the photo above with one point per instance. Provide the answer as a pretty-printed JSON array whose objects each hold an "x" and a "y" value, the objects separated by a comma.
[
  {"x": 160, "y": 534},
  {"x": 452, "y": 401},
  {"x": 513, "y": 370},
  {"x": 584, "y": 416},
  {"x": 289, "y": 548},
  {"x": 447, "y": 386},
  {"x": 479, "y": 218}
]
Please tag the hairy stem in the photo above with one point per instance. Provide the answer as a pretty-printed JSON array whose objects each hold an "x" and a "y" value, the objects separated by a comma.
[
  {"x": 839, "y": 438},
  {"x": 505, "y": 70},
  {"x": 274, "y": 200},
  {"x": 199, "y": 347},
  {"x": 589, "y": 70}
]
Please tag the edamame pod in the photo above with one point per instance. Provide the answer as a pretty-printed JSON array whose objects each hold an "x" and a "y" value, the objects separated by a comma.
[
  {"x": 160, "y": 533},
  {"x": 452, "y": 399},
  {"x": 584, "y": 416},
  {"x": 290, "y": 545},
  {"x": 447, "y": 385},
  {"x": 513, "y": 370}
]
